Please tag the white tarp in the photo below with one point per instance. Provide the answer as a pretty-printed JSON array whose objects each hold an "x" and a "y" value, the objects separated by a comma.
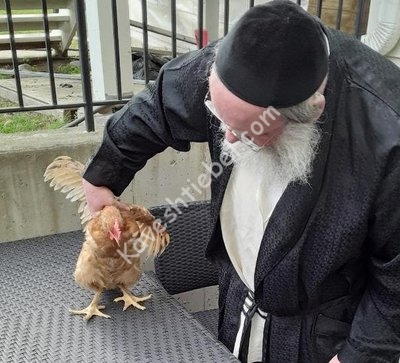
[{"x": 159, "y": 15}]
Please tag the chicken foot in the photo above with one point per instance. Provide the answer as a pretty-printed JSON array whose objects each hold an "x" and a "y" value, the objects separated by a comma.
[
  {"x": 92, "y": 309},
  {"x": 131, "y": 299}
]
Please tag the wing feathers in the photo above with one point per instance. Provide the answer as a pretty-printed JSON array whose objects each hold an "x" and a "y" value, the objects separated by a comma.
[{"x": 65, "y": 174}]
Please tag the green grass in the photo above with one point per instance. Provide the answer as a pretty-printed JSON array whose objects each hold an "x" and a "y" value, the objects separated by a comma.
[
  {"x": 68, "y": 69},
  {"x": 25, "y": 121},
  {"x": 5, "y": 76}
]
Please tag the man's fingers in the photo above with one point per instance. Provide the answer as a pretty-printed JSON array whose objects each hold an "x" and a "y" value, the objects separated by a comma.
[
  {"x": 98, "y": 197},
  {"x": 121, "y": 205}
]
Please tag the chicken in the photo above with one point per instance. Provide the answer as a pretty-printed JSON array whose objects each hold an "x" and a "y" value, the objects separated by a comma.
[{"x": 114, "y": 241}]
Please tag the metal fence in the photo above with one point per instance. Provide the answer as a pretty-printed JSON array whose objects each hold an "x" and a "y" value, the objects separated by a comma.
[{"x": 90, "y": 106}]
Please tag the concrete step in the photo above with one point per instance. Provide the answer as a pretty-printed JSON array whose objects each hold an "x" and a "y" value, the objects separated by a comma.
[
  {"x": 29, "y": 22},
  {"x": 30, "y": 41},
  {"x": 59, "y": 43},
  {"x": 35, "y": 4}
]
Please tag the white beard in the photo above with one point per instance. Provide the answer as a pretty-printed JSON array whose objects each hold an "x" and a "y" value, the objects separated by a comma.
[{"x": 289, "y": 159}]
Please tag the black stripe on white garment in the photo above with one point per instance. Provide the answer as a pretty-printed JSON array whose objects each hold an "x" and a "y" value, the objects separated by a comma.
[
  {"x": 244, "y": 344},
  {"x": 243, "y": 336}
]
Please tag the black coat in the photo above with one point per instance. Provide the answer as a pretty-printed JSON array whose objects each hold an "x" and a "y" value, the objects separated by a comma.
[{"x": 328, "y": 271}]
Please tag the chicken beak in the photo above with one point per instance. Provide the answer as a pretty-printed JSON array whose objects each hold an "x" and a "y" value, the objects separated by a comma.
[{"x": 117, "y": 240}]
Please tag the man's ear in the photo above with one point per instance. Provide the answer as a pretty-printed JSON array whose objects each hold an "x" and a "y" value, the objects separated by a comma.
[{"x": 318, "y": 101}]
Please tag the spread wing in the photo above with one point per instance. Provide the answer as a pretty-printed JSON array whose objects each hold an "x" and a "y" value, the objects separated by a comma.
[{"x": 65, "y": 174}]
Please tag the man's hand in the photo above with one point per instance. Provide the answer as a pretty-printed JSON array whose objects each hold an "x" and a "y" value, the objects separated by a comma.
[
  {"x": 99, "y": 197},
  {"x": 334, "y": 360}
]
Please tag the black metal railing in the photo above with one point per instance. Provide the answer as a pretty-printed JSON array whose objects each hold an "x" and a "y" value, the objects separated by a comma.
[{"x": 87, "y": 100}]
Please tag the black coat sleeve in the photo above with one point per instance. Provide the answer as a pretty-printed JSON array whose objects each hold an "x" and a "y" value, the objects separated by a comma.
[
  {"x": 169, "y": 112},
  {"x": 375, "y": 331}
]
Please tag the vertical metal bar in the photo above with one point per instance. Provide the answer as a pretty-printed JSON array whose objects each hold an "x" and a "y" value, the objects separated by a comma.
[
  {"x": 226, "y": 17},
  {"x": 116, "y": 48},
  {"x": 84, "y": 63},
  {"x": 211, "y": 19},
  {"x": 251, "y": 3},
  {"x": 173, "y": 27},
  {"x": 319, "y": 8},
  {"x": 200, "y": 17},
  {"x": 339, "y": 15},
  {"x": 14, "y": 53},
  {"x": 50, "y": 67},
  {"x": 145, "y": 41},
  {"x": 360, "y": 14}
]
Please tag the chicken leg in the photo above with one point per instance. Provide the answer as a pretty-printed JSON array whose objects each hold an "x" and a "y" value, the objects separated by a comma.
[
  {"x": 92, "y": 309},
  {"x": 131, "y": 299}
]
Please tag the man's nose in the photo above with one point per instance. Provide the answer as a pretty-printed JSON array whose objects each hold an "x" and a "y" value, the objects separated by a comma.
[{"x": 230, "y": 137}]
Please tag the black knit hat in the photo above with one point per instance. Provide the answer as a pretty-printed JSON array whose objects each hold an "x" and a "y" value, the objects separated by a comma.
[{"x": 275, "y": 55}]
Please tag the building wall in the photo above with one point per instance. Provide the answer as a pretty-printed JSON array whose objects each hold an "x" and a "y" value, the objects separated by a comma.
[{"x": 329, "y": 13}]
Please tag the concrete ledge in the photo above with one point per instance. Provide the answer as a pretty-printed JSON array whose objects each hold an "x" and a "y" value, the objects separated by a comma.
[{"x": 30, "y": 208}]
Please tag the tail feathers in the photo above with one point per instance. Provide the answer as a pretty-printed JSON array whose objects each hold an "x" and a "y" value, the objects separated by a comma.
[{"x": 156, "y": 239}]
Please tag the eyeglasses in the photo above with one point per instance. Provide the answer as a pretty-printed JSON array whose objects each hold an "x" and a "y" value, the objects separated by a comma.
[{"x": 240, "y": 135}]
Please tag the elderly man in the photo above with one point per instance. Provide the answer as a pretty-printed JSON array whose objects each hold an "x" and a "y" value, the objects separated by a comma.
[{"x": 304, "y": 124}]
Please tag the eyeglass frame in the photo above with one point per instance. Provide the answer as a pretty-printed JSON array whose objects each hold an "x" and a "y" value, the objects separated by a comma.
[{"x": 240, "y": 135}]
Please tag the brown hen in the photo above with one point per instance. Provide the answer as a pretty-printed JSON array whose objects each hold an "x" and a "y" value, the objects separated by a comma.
[{"x": 114, "y": 241}]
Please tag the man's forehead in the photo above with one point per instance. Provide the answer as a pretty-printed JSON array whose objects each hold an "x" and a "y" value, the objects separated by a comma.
[{"x": 222, "y": 96}]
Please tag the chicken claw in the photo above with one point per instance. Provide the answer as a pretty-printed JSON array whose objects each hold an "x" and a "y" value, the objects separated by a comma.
[
  {"x": 92, "y": 309},
  {"x": 131, "y": 299}
]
